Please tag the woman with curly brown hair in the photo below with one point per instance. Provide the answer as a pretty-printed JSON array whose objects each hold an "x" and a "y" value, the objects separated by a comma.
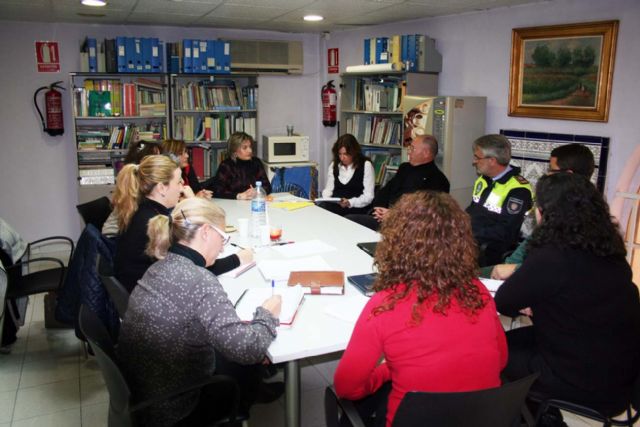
[{"x": 432, "y": 322}]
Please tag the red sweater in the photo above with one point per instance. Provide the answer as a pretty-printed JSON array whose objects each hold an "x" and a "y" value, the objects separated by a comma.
[{"x": 441, "y": 354}]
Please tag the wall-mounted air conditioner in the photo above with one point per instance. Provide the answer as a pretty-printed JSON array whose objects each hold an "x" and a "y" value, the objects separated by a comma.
[{"x": 266, "y": 56}]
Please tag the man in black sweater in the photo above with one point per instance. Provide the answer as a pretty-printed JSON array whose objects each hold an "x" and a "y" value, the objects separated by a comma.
[{"x": 419, "y": 173}]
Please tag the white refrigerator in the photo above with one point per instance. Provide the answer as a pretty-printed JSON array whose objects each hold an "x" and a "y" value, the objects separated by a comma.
[{"x": 455, "y": 121}]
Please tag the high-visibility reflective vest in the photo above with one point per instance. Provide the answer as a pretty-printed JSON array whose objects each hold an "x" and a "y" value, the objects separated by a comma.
[{"x": 499, "y": 192}]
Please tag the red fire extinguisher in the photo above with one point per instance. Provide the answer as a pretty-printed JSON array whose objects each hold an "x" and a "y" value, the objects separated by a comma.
[
  {"x": 53, "y": 108},
  {"x": 329, "y": 104}
]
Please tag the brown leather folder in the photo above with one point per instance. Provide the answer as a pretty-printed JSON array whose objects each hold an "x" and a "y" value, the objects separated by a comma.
[{"x": 319, "y": 282}]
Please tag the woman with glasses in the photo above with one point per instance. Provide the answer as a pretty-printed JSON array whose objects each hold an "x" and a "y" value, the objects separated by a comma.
[
  {"x": 143, "y": 191},
  {"x": 180, "y": 328}
]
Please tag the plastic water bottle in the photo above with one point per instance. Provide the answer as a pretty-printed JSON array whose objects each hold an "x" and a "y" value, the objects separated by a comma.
[{"x": 258, "y": 210}]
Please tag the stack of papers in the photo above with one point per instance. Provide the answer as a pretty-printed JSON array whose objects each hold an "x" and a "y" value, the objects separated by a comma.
[{"x": 279, "y": 269}]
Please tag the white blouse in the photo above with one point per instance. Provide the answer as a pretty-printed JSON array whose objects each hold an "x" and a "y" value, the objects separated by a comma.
[{"x": 345, "y": 173}]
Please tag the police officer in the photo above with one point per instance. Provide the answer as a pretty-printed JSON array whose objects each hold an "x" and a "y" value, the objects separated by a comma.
[{"x": 501, "y": 197}]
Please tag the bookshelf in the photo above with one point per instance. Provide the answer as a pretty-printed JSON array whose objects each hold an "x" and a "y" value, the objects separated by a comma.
[
  {"x": 111, "y": 111},
  {"x": 371, "y": 110},
  {"x": 206, "y": 109}
]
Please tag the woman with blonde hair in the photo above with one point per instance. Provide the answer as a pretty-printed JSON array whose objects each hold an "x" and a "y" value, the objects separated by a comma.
[
  {"x": 237, "y": 175},
  {"x": 143, "y": 191},
  {"x": 431, "y": 322},
  {"x": 180, "y": 328},
  {"x": 177, "y": 150}
]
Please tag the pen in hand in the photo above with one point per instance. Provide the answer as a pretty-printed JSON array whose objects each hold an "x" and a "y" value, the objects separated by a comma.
[{"x": 273, "y": 286}]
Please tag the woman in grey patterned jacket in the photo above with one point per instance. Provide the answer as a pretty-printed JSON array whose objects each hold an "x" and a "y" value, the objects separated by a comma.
[{"x": 180, "y": 327}]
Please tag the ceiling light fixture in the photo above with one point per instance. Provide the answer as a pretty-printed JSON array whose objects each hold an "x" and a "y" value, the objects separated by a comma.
[
  {"x": 94, "y": 2},
  {"x": 313, "y": 18}
]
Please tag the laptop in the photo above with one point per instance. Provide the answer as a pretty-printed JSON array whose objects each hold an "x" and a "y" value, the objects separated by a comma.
[
  {"x": 368, "y": 247},
  {"x": 363, "y": 282}
]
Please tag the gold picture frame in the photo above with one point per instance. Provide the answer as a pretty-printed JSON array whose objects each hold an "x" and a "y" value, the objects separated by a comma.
[{"x": 563, "y": 71}]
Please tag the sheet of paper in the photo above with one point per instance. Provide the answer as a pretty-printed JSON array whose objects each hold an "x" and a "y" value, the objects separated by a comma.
[
  {"x": 291, "y": 206},
  {"x": 234, "y": 293},
  {"x": 228, "y": 250},
  {"x": 492, "y": 284},
  {"x": 254, "y": 297},
  {"x": 285, "y": 197},
  {"x": 279, "y": 269},
  {"x": 239, "y": 270},
  {"x": 302, "y": 249},
  {"x": 328, "y": 199},
  {"x": 347, "y": 308}
]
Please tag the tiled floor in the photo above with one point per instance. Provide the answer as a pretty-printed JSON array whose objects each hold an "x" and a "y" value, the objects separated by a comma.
[{"x": 46, "y": 381}]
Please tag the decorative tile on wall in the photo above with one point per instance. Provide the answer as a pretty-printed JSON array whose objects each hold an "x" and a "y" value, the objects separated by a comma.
[{"x": 531, "y": 151}]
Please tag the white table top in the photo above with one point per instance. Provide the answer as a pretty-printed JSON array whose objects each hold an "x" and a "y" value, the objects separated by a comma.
[{"x": 314, "y": 331}]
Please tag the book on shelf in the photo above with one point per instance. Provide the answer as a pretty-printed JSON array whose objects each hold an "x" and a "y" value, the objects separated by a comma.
[{"x": 96, "y": 175}]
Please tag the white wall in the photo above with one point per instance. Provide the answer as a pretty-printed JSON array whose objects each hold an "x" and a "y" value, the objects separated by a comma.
[
  {"x": 38, "y": 189},
  {"x": 38, "y": 172},
  {"x": 476, "y": 50}
]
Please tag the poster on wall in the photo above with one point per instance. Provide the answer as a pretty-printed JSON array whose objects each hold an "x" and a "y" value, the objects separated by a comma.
[
  {"x": 333, "y": 61},
  {"x": 47, "y": 57}
]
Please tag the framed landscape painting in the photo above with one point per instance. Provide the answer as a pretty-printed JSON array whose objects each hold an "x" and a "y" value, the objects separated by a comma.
[{"x": 563, "y": 71}]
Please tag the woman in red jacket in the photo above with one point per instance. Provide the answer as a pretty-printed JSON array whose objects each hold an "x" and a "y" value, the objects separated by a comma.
[{"x": 431, "y": 326}]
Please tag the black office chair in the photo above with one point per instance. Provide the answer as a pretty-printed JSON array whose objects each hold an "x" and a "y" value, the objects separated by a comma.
[
  {"x": 631, "y": 415},
  {"x": 95, "y": 212},
  {"x": 117, "y": 292},
  {"x": 494, "y": 407},
  {"x": 123, "y": 404}
]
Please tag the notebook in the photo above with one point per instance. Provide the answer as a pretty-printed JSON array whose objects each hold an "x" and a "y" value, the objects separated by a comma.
[
  {"x": 239, "y": 270},
  {"x": 252, "y": 298},
  {"x": 363, "y": 282},
  {"x": 368, "y": 247},
  {"x": 318, "y": 282}
]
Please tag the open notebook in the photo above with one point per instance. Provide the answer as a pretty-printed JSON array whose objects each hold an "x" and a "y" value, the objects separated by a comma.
[{"x": 252, "y": 298}]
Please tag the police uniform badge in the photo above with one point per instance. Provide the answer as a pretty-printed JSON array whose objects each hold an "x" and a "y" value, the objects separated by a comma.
[
  {"x": 514, "y": 205},
  {"x": 478, "y": 188}
]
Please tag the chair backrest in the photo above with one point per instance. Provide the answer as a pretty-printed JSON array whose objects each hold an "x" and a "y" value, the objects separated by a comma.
[
  {"x": 117, "y": 292},
  {"x": 95, "y": 212},
  {"x": 494, "y": 407},
  {"x": 119, "y": 391}
]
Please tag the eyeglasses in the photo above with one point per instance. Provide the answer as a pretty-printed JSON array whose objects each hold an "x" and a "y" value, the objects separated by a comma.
[
  {"x": 477, "y": 159},
  {"x": 225, "y": 237}
]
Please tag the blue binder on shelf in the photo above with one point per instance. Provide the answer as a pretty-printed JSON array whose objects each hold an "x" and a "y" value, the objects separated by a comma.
[
  {"x": 226, "y": 57},
  {"x": 204, "y": 52},
  {"x": 130, "y": 50},
  {"x": 146, "y": 55},
  {"x": 187, "y": 63},
  {"x": 138, "y": 54},
  {"x": 156, "y": 55},
  {"x": 403, "y": 50},
  {"x": 412, "y": 50},
  {"x": 211, "y": 56},
  {"x": 121, "y": 54},
  {"x": 92, "y": 46},
  {"x": 367, "y": 51},
  {"x": 195, "y": 56},
  {"x": 382, "y": 56}
]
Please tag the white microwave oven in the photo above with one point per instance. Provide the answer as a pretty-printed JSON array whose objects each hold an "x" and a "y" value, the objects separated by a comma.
[{"x": 277, "y": 149}]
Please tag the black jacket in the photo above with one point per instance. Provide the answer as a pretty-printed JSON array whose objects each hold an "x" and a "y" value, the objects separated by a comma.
[{"x": 410, "y": 179}]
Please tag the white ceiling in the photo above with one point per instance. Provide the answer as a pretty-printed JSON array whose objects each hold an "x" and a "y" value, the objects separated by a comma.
[{"x": 275, "y": 15}]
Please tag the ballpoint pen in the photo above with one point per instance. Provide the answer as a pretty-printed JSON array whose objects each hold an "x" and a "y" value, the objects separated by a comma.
[
  {"x": 236, "y": 245},
  {"x": 282, "y": 243},
  {"x": 273, "y": 286}
]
